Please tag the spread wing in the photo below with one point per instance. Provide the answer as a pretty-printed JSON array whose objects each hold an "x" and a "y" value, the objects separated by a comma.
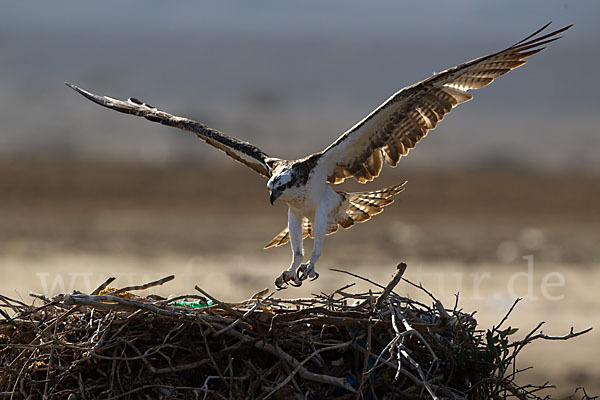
[
  {"x": 239, "y": 150},
  {"x": 396, "y": 126}
]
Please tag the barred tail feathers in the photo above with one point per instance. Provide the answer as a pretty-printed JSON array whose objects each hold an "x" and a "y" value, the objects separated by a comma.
[
  {"x": 284, "y": 236},
  {"x": 361, "y": 207}
]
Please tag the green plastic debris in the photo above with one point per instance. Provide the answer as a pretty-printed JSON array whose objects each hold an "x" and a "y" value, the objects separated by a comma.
[{"x": 193, "y": 304}]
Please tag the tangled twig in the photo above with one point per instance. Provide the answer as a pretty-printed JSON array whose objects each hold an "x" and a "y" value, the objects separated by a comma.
[{"x": 113, "y": 344}]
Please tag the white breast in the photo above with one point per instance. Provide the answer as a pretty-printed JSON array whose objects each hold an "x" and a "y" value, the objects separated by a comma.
[{"x": 304, "y": 200}]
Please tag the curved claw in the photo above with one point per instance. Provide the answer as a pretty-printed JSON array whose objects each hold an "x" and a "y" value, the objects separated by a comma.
[
  {"x": 307, "y": 271},
  {"x": 295, "y": 284},
  {"x": 302, "y": 273},
  {"x": 287, "y": 277},
  {"x": 279, "y": 284}
]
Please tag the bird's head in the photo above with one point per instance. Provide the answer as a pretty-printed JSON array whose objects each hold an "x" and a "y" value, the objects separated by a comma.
[{"x": 281, "y": 180}]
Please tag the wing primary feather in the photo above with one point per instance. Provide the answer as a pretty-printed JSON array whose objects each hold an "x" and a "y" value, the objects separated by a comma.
[
  {"x": 533, "y": 34},
  {"x": 556, "y": 32}
]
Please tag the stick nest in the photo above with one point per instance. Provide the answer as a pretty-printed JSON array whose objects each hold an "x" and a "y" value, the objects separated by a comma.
[{"x": 112, "y": 344}]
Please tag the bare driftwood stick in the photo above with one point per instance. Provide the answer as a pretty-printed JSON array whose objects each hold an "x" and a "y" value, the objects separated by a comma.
[
  {"x": 243, "y": 317},
  {"x": 110, "y": 302},
  {"x": 103, "y": 286},
  {"x": 531, "y": 336},
  {"x": 220, "y": 303},
  {"x": 442, "y": 310},
  {"x": 144, "y": 286},
  {"x": 401, "y": 352},
  {"x": 357, "y": 276},
  {"x": 510, "y": 310},
  {"x": 390, "y": 286}
]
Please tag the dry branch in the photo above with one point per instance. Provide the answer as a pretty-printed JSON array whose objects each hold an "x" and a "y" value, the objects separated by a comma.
[
  {"x": 144, "y": 286},
  {"x": 390, "y": 286}
]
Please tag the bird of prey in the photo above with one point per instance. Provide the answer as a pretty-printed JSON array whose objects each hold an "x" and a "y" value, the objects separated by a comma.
[{"x": 389, "y": 132}]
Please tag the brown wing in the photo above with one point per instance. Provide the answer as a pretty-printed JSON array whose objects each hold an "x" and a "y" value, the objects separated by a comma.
[
  {"x": 394, "y": 128},
  {"x": 239, "y": 150}
]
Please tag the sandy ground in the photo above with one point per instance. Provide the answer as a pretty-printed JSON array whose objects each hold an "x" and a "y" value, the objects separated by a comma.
[{"x": 490, "y": 236}]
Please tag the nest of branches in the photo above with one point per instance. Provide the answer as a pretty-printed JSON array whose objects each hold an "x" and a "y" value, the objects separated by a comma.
[{"x": 112, "y": 344}]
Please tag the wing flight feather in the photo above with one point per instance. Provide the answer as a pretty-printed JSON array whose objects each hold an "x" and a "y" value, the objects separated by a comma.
[
  {"x": 395, "y": 127},
  {"x": 239, "y": 150}
]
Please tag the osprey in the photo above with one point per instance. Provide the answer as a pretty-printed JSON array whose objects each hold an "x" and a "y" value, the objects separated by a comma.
[{"x": 315, "y": 209}]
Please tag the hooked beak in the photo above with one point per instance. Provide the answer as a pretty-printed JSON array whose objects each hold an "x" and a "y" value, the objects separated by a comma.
[{"x": 274, "y": 196}]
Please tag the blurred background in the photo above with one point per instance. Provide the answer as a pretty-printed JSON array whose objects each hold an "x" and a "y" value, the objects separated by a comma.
[{"x": 502, "y": 199}]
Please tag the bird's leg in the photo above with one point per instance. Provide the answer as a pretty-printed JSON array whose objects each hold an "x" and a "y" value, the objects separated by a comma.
[
  {"x": 307, "y": 270},
  {"x": 289, "y": 275}
]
